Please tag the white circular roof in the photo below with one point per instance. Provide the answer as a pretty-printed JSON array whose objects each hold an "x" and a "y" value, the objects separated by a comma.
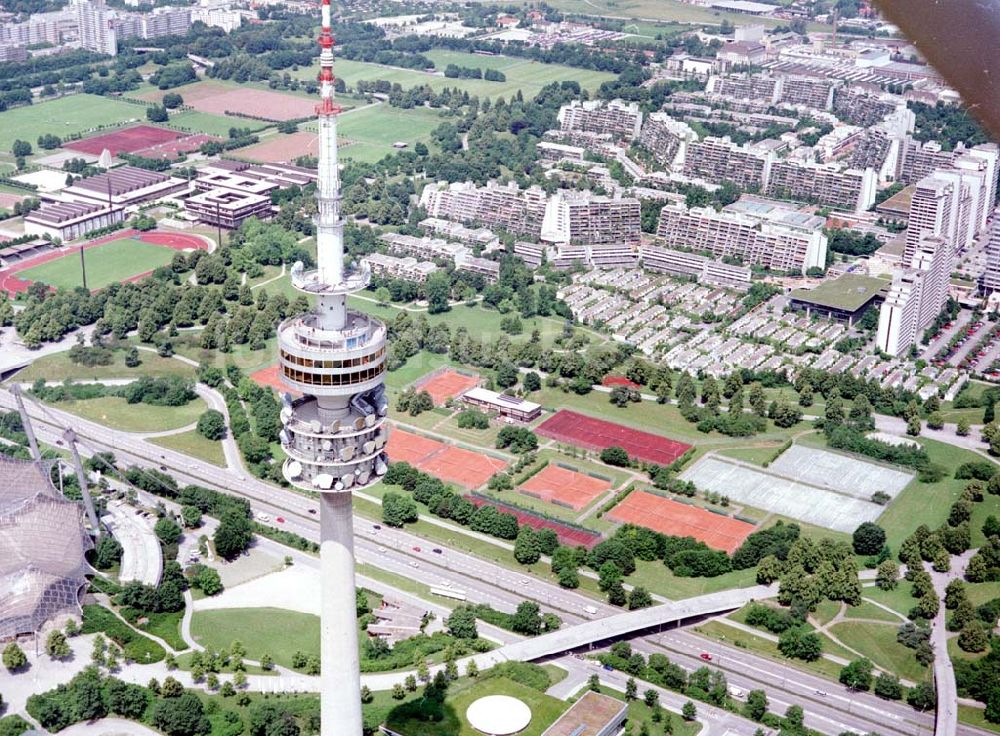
[{"x": 498, "y": 715}]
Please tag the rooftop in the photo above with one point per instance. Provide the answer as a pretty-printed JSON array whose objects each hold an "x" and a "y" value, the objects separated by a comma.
[
  {"x": 587, "y": 716},
  {"x": 121, "y": 181},
  {"x": 850, "y": 292}
]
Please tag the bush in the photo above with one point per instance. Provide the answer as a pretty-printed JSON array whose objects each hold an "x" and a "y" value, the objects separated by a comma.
[
  {"x": 615, "y": 456},
  {"x": 212, "y": 425},
  {"x": 137, "y": 648}
]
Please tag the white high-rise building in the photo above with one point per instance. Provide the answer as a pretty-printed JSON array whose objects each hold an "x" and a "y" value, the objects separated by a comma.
[
  {"x": 991, "y": 277},
  {"x": 96, "y": 28},
  {"x": 916, "y": 297},
  {"x": 335, "y": 434}
]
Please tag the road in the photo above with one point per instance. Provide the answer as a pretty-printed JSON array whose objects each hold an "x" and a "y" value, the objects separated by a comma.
[{"x": 482, "y": 580}]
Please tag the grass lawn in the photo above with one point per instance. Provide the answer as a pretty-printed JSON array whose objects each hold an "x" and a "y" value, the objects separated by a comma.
[
  {"x": 166, "y": 626},
  {"x": 767, "y": 648},
  {"x": 980, "y": 593},
  {"x": 657, "y": 578},
  {"x": 956, "y": 653},
  {"x": 193, "y": 444},
  {"x": 275, "y": 631},
  {"x": 974, "y": 717},
  {"x": 72, "y": 114},
  {"x": 106, "y": 264},
  {"x": 58, "y": 367},
  {"x": 826, "y": 611},
  {"x": 522, "y": 74},
  {"x": 899, "y": 600},
  {"x": 376, "y": 127},
  {"x": 928, "y": 503},
  {"x": 663, "y": 10},
  {"x": 871, "y": 611},
  {"x": 116, "y": 413},
  {"x": 878, "y": 643},
  {"x": 462, "y": 693},
  {"x": 755, "y": 455},
  {"x": 193, "y": 121}
]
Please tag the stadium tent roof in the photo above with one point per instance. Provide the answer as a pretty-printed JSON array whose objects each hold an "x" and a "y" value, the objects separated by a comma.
[{"x": 42, "y": 547}]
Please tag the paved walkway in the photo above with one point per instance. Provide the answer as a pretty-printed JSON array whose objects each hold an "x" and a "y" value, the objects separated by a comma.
[{"x": 946, "y": 716}]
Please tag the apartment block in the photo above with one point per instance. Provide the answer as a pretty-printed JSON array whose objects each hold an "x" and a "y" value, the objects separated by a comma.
[
  {"x": 565, "y": 256},
  {"x": 615, "y": 118},
  {"x": 667, "y": 139},
  {"x": 408, "y": 268},
  {"x": 916, "y": 297},
  {"x": 533, "y": 254},
  {"x": 826, "y": 184},
  {"x": 490, "y": 270},
  {"x": 861, "y": 107},
  {"x": 583, "y": 218},
  {"x": 815, "y": 93},
  {"x": 218, "y": 17},
  {"x": 96, "y": 28},
  {"x": 771, "y": 238},
  {"x": 991, "y": 276},
  {"x": 684, "y": 263},
  {"x": 475, "y": 236},
  {"x": 165, "y": 21},
  {"x": 757, "y": 88},
  {"x": 494, "y": 205},
  {"x": 427, "y": 249},
  {"x": 920, "y": 160},
  {"x": 718, "y": 159}
]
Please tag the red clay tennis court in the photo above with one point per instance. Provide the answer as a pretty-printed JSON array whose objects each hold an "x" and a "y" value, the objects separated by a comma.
[
  {"x": 564, "y": 487},
  {"x": 446, "y": 385},
  {"x": 619, "y": 381},
  {"x": 270, "y": 377},
  {"x": 447, "y": 462},
  {"x": 173, "y": 148},
  {"x": 680, "y": 520},
  {"x": 128, "y": 140},
  {"x": 597, "y": 434}
]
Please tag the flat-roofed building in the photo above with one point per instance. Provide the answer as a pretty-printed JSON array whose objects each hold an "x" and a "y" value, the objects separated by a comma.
[
  {"x": 667, "y": 139},
  {"x": 234, "y": 182},
  {"x": 486, "y": 268},
  {"x": 702, "y": 268},
  {"x": 493, "y": 205},
  {"x": 719, "y": 159},
  {"x": 533, "y": 254},
  {"x": 552, "y": 151},
  {"x": 991, "y": 276},
  {"x": 425, "y": 248},
  {"x": 124, "y": 187},
  {"x": 408, "y": 268},
  {"x": 844, "y": 299},
  {"x": 475, "y": 236},
  {"x": 71, "y": 220},
  {"x": 826, "y": 184},
  {"x": 752, "y": 87},
  {"x": 228, "y": 208},
  {"x": 616, "y": 118},
  {"x": 754, "y": 233},
  {"x": 583, "y": 218},
  {"x": 594, "y": 714},
  {"x": 509, "y": 407}
]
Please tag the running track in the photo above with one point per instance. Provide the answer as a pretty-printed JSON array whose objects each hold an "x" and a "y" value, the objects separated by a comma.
[{"x": 13, "y": 285}]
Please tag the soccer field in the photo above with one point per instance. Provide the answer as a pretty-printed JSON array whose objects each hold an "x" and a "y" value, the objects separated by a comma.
[
  {"x": 72, "y": 114},
  {"x": 106, "y": 264},
  {"x": 372, "y": 130},
  {"x": 522, "y": 74}
]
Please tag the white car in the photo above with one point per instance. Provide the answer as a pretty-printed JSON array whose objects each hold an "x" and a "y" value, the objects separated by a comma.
[
  {"x": 261, "y": 516},
  {"x": 414, "y": 563},
  {"x": 382, "y": 550}
]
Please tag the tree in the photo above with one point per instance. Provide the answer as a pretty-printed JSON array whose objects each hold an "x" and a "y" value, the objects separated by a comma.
[
  {"x": 268, "y": 718},
  {"x": 382, "y": 296},
  {"x": 167, "y": 530},
  {"x": 756, "y": 705},
  {"x": 526, "y": 546},
  {"x": 172, "y": 100},
  {"x": 689, "y": 711},
  {"x": 56, "y": 645},
  {"x": 108, "y": 552},
  {"x": 650, "y": 697},
  {"x": 962, "y": 427},
  {"x": 973, "y": 638},
  {"x": 398, "y": 510},
  {"x": 527, "y": 619},
  {"x": 14, "y": 658},
  {"x": 212, "y": 425},
  {"x": 888, "y": 686},
  {"x": 532, "y": 381},
  {"x": 157, "y": 114},
  {"x": 594, "y": 683},
  {"x": 234, "y": 534},
  {"x": 20, "y": 149},
  {"x": 869, "y": 538},
  {"x": 887, "y": 575},
  {"x": 462, "y": 623},
  {"x": 799, "y": 643},
  {"x": 437, "y": 287},
  {"x": 180, "y": 716},
  {"x": 615, "y": 456},
  {"x": 631, "y": 689},
  {"x": 398, "y": 693},
  {"x": 857, "y": 675},
  {"x": 921, "y": 696},
  {"x": 191, "y": 516},
  {"x": 913, "y": 426},
  {"x": 639, "y": 597},
  {"x": 472, "y": 669}
]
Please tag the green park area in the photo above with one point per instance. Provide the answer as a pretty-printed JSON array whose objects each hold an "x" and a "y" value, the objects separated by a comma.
[
  {"x": 109, "y": 263},
  {"x": 194, "y": 444},
  {"x": 369, "y": 133},
  {"x": 66, "y": 115},
  {"x": 59, "y": 367},
  {"x": 522, "y": 74},
  {"x": 664, "y": 10},
  {"x": 462, "y": 693},
  {"x": 116, "y": 413},
  {"x": 274, "y": 631}
]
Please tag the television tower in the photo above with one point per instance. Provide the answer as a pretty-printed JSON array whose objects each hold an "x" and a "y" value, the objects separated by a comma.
[{"x": 334, "y": 435}]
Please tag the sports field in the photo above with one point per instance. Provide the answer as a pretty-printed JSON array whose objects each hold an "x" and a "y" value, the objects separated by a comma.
[
  {"x": 522, "y": 74},
  {"x": 663, "y": 10},
  {"x": 780, "y": 494},
  {"x": 564, "y": 487},
  {"x": 839, "y": 472},
  {"x": 597, "y": 434},
  {"x": 203, "y": 122},
  {"x": 128, "y": 140},
  {"x": 447, "y": 462},
  {"x": 108, "y": 263},
  {"x": 681, "y": 520},
  {"x": 218, "y": 99},
  {"x": 446, "y": 385},
  {"x": 73, "y": 114}
]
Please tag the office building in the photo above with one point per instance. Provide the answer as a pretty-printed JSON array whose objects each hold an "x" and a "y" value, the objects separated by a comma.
[
  {"x": 508, "y": 407},
  {"x": 620, "y": 120},
  {"x": 228, "y": 208},
  {"x": 583, "y": 218}
]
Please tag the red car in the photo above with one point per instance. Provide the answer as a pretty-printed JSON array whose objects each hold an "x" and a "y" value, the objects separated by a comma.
[
  {"x": 416, "y": 549},
  {"x": 280, "y": 519},
  {"x": 706, "y": 656}
]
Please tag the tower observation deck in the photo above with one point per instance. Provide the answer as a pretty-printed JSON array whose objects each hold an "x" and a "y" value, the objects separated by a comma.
[{"x": 334, "y": 435}]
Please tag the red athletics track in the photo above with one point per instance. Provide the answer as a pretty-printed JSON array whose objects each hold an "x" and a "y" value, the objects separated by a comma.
[
  {"x": 596, "y": 434},
  {"x": 12, "y": 284}
]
